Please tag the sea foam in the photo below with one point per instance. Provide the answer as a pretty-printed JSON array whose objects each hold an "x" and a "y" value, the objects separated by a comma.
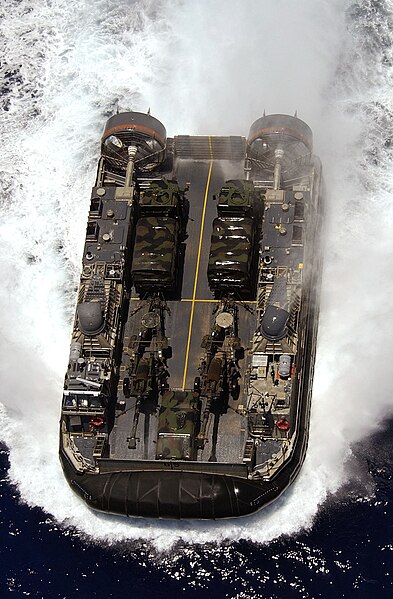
[{"x": 201, "y": 68}]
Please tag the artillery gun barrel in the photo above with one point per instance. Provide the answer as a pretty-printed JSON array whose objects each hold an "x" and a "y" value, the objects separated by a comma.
[
  {"x": 205, "y": 419},
  {"x": 135, "y": 420},
  {"x": 88, "y": 383}
]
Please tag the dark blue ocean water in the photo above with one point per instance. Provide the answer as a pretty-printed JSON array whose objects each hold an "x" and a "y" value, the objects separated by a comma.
[{"x": 348, "y": 552}]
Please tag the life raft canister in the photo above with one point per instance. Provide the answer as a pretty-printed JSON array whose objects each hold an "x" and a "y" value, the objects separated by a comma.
[
  {"x": 96, "y": 421},
  {"x": 283, "y": 424}
]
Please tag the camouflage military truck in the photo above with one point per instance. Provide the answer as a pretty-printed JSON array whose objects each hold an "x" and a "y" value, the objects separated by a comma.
[
  {"x": 159, "y": 230},
  {"x": 178, "y": 425},
  {"x": 231, "y": 258}
]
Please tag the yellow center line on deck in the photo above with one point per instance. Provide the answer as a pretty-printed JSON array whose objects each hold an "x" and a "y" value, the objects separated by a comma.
[
  {"x": 215, "y": 301},
  {"x": 193, "y": 300},
  {"x": 201, "y": 301}
]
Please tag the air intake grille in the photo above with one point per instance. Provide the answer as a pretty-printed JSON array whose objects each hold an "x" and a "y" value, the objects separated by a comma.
[{"x": 204, "y": 147}]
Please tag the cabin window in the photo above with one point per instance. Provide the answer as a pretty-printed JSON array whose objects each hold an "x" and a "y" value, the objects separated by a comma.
[
  {"x": 92, "y": 232},
  {"x": 297, "y": 236}
]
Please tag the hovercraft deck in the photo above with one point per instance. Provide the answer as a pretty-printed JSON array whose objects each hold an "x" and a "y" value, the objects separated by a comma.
[{"x": 189, "y": 382}]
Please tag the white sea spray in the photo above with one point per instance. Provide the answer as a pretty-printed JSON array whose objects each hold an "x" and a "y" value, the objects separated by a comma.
[{"x": 202, "y": 68}]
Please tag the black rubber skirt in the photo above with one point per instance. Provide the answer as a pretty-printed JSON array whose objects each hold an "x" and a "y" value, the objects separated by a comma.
[{"x": 171, "y": 494}]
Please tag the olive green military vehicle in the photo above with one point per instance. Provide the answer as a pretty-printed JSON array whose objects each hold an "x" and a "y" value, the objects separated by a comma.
[
  {"x": 178, "y": 425},
  {"x": 188, "y": 387},
  {"x": 159, "y": 230},
  {"x": 232, "y": 248}
]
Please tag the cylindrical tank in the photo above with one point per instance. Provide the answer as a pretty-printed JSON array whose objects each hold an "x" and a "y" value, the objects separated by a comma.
[
  {"x": 75, "y": 351},
  {"x": 284, "y": 366},
  {"x": 90, "y": 318},
  {"x": 273, "y": 326}
]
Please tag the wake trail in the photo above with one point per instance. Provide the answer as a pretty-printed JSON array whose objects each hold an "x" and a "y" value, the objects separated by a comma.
[{"x": 202, "y": 68}]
